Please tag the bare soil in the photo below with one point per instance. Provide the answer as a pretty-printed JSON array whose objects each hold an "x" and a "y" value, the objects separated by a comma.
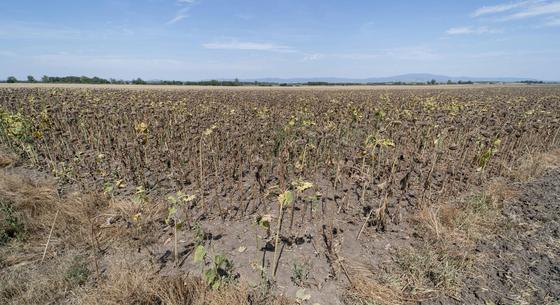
[
  {"x": 522, "y": 261},
  {"x": 517, "y": 262}
]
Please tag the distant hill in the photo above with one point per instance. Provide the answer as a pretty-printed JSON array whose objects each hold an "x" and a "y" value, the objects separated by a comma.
[
  {"x": 421, "y": 78},
  {"x": 405, "y": 78}
]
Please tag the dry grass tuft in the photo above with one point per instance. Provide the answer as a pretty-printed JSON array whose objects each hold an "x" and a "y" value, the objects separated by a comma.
[
  {"x": 449, "y": 232},
  {"x": 468, "y": 218},
  {"x": 534, "y": 165},
  {"x": 432, "y": 268},
  {"x": 126, "y": 283},
  {"x": 398, "y": 282},
  {"x": 83, "y": 218},
  {"x": 34, "y": 204},
  {"x": 416, "y": 274},
  {"x": 137, "y": 283},
  {"x": 499, "y": 190},
  {"x": 30, "y": 197},
  {"x": 370, "y": 291},
  {"x": 50, "y": 283},
  {"x": 7, "y": 159}
]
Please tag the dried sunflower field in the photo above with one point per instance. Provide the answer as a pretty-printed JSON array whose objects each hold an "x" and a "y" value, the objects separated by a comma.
[{"x": 291, "y": 190}]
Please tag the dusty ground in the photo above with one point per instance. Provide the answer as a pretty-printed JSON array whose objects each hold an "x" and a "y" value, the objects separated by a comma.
[
  {"x": 521, "y": 263},
  {"x": 497, "y": 245}
]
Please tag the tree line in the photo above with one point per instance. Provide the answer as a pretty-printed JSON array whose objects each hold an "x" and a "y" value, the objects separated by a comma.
[
  {"x": 236, "y": 82},
  {"x": 137, "y": 81}
]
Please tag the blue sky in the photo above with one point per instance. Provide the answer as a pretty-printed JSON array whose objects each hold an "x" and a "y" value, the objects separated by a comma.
[{"x": 202, "y": 39}]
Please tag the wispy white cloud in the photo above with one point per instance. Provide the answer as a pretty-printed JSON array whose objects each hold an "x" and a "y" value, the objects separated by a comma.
[
  {"x": 500, "y": 8},
  {"x": 182, "y": 13},
  {"x": 520, "y": 9},
  {"x": 466, "y": 30},
  {"x": 177, "y": 18},
  {"x": 248, "y": 46},
  {"x": 540, "y": 9},
  {"x": 546, "y": 12},
  {"x": 313, "y": 56}
]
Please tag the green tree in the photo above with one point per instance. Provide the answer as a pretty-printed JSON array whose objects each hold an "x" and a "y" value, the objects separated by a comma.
[
  {"x": 31, "y": 79},
  {"x": 138, "y": 81},
  {"x": 11, "y": 79}
]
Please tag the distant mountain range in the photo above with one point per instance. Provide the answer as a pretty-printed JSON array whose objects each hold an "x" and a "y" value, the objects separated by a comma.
[{"x": 405, "y": 78}]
